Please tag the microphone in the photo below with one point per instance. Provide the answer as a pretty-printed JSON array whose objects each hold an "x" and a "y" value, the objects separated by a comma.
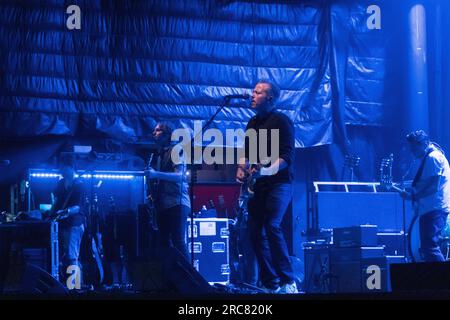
[{"x": 238, "y": 96}]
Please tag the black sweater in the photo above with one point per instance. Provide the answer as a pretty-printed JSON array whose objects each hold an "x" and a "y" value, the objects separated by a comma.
[{"x": 274, "y": 120}]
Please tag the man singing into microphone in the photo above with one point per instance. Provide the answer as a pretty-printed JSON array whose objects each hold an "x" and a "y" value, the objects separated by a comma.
[{"x": 272, "y": 190}]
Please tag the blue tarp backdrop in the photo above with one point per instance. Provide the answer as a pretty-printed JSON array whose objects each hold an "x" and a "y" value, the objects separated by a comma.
[{"x": 133, "y": 63}]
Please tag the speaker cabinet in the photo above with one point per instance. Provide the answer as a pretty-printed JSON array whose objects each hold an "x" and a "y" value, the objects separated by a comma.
[
  {"x": 37, "y": 281},
  {"x": 317, "y": 269},
  {"x": 425, "y": 276},
  {"x": 169, "y": 272}
]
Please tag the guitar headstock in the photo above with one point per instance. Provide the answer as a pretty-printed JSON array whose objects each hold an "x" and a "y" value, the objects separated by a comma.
[
  {"x": 351, "y": 161},
  {"x": 386, "y": 177},
  {"x": 387, "y": 162}
]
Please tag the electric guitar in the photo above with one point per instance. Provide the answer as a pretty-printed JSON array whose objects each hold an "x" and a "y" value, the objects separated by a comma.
[
  {"x": 413, "y": 232},
  {"x": 63, "y": 214},
  {"x": 351, "y": 162},
  {"x": 251, "y": 175},
  {"x": 67, "y": 211},
  {"x": 386, "y": 177}
]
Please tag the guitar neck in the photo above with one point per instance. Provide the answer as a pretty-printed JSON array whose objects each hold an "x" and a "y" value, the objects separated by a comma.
[{"x": 398, "y": 189}]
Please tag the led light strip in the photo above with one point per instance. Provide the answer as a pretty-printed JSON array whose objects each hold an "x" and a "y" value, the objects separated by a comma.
[
  {"x": 86, "y": 176},
  {"x": 45, "y": 175}
]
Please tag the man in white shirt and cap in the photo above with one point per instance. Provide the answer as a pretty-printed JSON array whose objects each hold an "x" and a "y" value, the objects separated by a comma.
[{"x": 430, "y": 193}]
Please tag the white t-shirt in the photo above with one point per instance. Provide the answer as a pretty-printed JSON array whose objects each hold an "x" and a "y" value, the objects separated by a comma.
[{"x": 435, "y": 165}]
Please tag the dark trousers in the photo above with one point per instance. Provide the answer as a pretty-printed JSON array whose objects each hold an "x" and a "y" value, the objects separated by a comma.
[
  {"x": 431, "y": 226},
  {"x": 266, "y": 211},
  {"x": 172, "y": 228},
  {"x": 249, "y": 263}
]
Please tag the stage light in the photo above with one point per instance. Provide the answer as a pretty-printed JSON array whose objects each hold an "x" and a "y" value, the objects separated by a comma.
[
  {"x": 85, "y": 176},
  {"x": 45, "y": 175},
  {"x": 114, "y": 176}
]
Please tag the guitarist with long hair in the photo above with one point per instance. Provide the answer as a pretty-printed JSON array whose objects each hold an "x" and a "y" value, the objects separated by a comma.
[
  {"x": 430, "y": 192},
  {"x": 171, "y": 200}
]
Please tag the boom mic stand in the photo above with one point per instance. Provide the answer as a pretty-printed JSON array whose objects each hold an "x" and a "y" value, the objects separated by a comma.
[
  {"x": 93, "y": 226},
  {"x": 193, "y": 179}
]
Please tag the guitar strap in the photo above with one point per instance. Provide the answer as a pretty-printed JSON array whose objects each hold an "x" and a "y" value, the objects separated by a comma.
[
  {"x": 66, "y": 200},
  {"x": 420, "y": 170},
  {"x": 154, "y": 191},
  {"x": 158, "y": 161}
]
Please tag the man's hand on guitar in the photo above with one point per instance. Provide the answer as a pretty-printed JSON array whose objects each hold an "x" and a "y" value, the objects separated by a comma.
[
  {"x": 258, "y": 171},
  {"x": 241, "y": 175},
  {"x": 62, "y": 214},
  {"x": 58, "y": 215}
]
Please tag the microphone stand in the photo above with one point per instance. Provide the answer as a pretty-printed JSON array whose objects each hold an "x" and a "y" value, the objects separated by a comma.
[
  {"x": 193, "y": 179},
  {"x": 90, "y": 228},
  {"x": 405, "y": 237}
]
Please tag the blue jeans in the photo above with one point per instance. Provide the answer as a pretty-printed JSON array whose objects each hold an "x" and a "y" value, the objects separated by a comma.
[
  {"x": 266, "y": 211},
  {"x": 70, "y": 238},
  {"x": 431, "y": 226}
]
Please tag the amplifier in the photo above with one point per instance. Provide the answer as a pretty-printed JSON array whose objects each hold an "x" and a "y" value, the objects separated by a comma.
[
  {"x": 365, "y": 275},
  {"x": 384, "y": 209},
  {"x": 27, "y": 242},
  {"x": 357, "y": 236},
  {"x": 317, "y": 268},
  {"x": 211, "y": 248},
  {"x": 393, "y": 242},
  {"x": 424, "y": 276},
  {"x": 376, "y": 273},
  {"x": 355, "y": 254}
]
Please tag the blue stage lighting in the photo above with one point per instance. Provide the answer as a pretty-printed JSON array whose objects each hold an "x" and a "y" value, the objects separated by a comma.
[
  {"x": 45, "y": 175},
  {"x": 86, "y": 176}
]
